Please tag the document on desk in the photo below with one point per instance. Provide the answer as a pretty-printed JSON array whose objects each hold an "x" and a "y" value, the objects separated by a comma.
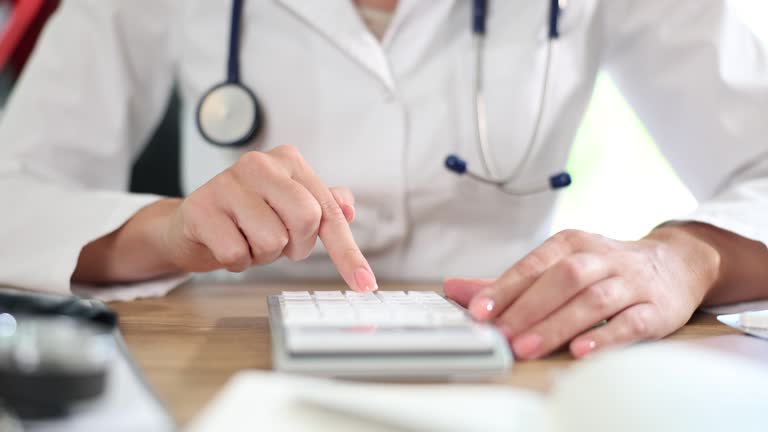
[
  {"x": 663, "y": 387},
  {"x": 280, "y": 402}
]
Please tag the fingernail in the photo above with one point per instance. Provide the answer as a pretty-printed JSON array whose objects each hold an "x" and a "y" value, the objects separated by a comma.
[
  {"x": 583, "y": 347},
  {"x": 526, "y": 345},
  {"x": 481, "y": 308},
  {"x": 365, "y": 280}
]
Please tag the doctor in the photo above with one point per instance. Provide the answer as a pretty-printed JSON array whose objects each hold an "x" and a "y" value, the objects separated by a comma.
[{"x": 371, "y": 96}]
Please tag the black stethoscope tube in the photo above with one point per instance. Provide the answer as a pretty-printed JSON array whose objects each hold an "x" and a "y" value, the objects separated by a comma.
[{"x": 233, "y": 62}]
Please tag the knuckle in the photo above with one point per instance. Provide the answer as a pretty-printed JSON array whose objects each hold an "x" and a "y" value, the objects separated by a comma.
[
  {"x": 331, "y": 210},
  {"x": 277, "y": 242},
  {"x": 574, "y": 238},
  {"x": 270, "y": 247},
  {"x": 254, "y": 159},
  {"x": 292, "y": 254},
  {"x": 234, "y": 258},
  {"x": 531, "y": 265},
  {"x": 289, "y": 150},
  {"x": 571, "y": 269},
  {"x": 604, "y": 296},
  {"x": 296, "y": 254},
  {"x": 307, "y": 221},
  {"x": 290, "y": 153},
  {"x": 225, "y": 181},
  {"x": 253, "y": 163},
  {"x": 262, "y": 257},
  {"x": 637, "y": 325},
  {"x": 239, "y": 268}
]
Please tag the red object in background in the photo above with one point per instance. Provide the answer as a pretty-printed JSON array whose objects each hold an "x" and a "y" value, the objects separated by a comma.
[{"x": 24, "y": 24}]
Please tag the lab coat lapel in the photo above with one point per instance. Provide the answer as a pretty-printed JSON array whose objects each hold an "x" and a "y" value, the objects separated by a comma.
[{"x": 338, "y": 22}]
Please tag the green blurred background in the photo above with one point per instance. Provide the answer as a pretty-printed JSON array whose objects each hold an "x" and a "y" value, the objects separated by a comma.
[{"x": 613, "y": 144}]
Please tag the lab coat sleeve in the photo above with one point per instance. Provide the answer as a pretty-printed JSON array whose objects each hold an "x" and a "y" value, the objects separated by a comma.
[
  {"x": 698, "y": 78},
  {"x": 87, "y": 101}
]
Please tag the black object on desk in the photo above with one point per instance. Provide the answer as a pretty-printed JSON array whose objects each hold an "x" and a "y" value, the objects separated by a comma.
[
  {"x": 36, "y": 304},
  {"x": 54, "y": 352}
]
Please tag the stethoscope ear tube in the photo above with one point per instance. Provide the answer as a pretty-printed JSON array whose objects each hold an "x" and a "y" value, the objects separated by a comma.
[{"x": 458, "y": 165}]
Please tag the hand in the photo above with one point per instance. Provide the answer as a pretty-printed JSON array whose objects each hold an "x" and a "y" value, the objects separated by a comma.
[
  {"x": 265, "y": 206},
  {"x": 558, "y": 293}
]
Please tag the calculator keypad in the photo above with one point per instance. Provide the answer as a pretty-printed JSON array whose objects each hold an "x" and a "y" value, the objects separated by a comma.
[{"x": 381, "y": 309}]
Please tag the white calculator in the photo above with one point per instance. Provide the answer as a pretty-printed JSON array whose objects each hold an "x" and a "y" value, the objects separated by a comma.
[{"x": 387, "y": 334}]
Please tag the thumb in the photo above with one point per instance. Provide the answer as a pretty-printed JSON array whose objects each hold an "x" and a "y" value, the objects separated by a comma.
[
  {"x": 346, "y": 201},
  {"x": 461, "y": 290}
]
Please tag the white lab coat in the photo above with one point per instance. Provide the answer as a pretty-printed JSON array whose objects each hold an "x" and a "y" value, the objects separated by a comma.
[{"x": 378, "y": 118}]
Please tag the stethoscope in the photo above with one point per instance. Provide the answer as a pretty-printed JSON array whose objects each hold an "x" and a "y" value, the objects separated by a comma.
[
  {"x": 457, "y": 164},
  {"x": 229, "y": 114}
]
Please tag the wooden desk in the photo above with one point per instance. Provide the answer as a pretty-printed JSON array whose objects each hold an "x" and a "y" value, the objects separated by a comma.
[{"x": 190, "y": 342}]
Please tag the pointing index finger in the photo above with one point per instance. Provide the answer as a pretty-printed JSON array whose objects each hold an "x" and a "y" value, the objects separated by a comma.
[
  {"x": 334, "y": 230},
  {"x": 339, "y": 241},
  {"x": 342, "y": 248}
]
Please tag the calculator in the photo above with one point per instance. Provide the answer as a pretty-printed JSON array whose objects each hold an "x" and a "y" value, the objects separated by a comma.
[{"x": 383, "y": 335}]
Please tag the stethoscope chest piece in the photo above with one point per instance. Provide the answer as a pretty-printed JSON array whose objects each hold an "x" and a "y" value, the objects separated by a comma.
[{"x": 229, "y": 115}]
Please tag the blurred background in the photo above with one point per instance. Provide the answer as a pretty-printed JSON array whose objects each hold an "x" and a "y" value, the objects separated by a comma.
[{"x": 611, "y": 144}]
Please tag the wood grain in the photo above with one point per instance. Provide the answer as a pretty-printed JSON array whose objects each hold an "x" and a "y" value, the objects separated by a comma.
[{"x": 190, "y": 342}]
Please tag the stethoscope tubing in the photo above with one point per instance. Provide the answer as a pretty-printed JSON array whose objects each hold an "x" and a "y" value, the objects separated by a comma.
[
  {"x": 458, "y": 165},
  {"x": 233, "y": 59}
]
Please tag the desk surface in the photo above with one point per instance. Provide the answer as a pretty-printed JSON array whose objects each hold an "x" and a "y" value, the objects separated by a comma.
[{"x": 190, "y": 342}]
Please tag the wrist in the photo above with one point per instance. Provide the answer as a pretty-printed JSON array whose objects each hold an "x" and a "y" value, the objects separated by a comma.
[
  {"x": 135, "y": 251},
  {"x": 695, "y": 245},
  {"x": 151, "y": 224}
]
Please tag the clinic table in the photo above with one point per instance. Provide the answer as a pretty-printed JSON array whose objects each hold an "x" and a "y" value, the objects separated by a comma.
[{"x": 190, "y": 342}]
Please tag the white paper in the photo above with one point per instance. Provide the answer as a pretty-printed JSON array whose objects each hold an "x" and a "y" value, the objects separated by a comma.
[
  {"x": 664, "y": 386},
  {"x": 279, "y": 402}
]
